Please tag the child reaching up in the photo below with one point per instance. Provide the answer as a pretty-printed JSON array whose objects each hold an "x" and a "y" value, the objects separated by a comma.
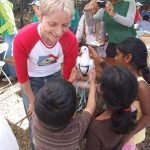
[
  {"x": 118, "y": 87},
  {"x": 54, "y": 122},
  {"x": 132, "y": 53}
]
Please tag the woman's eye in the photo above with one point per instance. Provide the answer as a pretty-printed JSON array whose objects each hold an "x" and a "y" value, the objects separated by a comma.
[
  {"x": 52, "y": 24},
  {"x": 66, "y": 25}
]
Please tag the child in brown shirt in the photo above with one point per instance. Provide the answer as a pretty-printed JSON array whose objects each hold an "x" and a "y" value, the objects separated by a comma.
[{"x": 119, "y": 88}]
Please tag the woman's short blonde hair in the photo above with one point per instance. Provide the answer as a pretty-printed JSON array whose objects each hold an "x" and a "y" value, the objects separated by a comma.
[{"x": 47, "y": 7}]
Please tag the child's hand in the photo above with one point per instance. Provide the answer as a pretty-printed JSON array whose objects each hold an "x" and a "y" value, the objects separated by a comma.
[
  {"x": 97, "y": 59},
  {"x": 73, "y": 74},
  {"x": 92, "y": 76},
  {"x": 30, "y": 109}
]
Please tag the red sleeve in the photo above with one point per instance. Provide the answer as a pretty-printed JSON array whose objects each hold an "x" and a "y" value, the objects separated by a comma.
[
  {"x": 22, "y": 46},
  {"x": 137, "y": 16},
  {"x": 70, "y": 50}
]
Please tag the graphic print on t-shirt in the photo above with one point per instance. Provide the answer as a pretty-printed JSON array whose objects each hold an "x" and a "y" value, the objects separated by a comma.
[{"x": 46, "y": 60}]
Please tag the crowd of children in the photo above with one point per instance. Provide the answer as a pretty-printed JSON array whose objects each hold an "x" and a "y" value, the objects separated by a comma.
[{"x": 45, "y": 55}]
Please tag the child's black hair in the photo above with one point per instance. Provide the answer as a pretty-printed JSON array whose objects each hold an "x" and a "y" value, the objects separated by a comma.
[
  {"x": 138, "y": 50},
  {"x": 56, "y": 103},
  {"x": 146, "y": 17},
  {"x": 119, "y": 89}
]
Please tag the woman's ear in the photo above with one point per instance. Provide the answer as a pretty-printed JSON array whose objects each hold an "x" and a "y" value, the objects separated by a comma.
[
  {"x": 39, "y": 17},
  {"x": 128, "y": 58}
]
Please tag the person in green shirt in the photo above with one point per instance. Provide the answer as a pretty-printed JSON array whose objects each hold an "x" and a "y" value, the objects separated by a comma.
[
  {"x": 8, "y": 30},
  {"x": 35, "y": 7},
  {"x": 74, "y": 21}
]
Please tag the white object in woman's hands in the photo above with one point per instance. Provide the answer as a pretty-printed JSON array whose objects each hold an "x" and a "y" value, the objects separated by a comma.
[
  {"x": 84, "y": 63},
  {"x": 95, "y": 44}
]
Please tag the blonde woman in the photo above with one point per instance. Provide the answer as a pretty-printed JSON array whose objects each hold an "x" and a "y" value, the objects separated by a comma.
[{"x": 45, "y": 51}]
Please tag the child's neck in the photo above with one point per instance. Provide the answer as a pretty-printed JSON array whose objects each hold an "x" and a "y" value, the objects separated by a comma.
[
  {"x": 134, "y": 71},
  {"x": 105, "y": 115}
]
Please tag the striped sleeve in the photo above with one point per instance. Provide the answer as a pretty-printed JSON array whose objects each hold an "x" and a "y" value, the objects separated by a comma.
[{"x": 84, "y": 120}]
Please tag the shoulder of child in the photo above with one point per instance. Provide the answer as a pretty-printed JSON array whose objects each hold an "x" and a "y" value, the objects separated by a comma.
[
  {"x": 142, "y": 84},
  {"x": 85, "y": 115},
  {"x": 144, "y": 90}
]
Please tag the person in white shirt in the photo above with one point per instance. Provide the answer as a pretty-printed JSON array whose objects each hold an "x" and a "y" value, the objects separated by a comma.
[{"x": 144, "y": 25}]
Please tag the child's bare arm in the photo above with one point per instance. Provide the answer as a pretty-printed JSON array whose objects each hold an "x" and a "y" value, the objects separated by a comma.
[
  {"x": 143, "y": 97},
  {"x": 91, "y": 104}
]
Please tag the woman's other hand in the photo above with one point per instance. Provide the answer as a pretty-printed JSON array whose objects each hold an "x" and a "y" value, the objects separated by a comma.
[{"x": 109, "y": 9}]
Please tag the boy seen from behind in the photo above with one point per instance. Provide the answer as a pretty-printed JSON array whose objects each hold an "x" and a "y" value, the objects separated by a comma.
[{"x": 55, "y": 124}]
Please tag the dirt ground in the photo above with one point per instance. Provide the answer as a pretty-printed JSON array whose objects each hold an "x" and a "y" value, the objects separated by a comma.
[{"x": 11, "y": 106}]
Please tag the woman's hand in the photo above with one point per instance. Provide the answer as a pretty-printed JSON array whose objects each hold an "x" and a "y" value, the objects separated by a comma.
[
  {"x": 109, "y": 9},
  {"x": 91, "y": 7},
  {"x": 30, "y": 109}
]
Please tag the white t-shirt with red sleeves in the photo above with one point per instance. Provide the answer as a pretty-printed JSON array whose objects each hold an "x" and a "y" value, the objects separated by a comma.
[{"x": 33, "y": 58}]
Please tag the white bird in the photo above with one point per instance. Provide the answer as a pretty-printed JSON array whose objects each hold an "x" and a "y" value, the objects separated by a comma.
[{"x": 84, "y": 63}]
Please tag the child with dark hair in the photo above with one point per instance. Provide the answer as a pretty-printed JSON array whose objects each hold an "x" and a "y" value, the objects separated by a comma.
[
  {"x": 118, "y": 87},
  {"x": 55, "y": 124},
  {"x": 132, "y": 53}
]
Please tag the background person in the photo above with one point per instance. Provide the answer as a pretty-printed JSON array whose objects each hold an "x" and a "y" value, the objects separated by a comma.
[
  {"x": 146, "y": 11},
  {"x": 35, "y": 7},
  {"x": 118, "y": 22},
  {"x": 137, "y": 15},
  {"x": 95, "y": 37},
  {"x": 144, "y": 24},
  {"x": 8, "y": 30}
]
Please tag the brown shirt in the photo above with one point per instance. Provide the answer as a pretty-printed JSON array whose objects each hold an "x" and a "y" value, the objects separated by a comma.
[
  {"x": 68, "y": 138},
  {"x": 101, "y": 137}
]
